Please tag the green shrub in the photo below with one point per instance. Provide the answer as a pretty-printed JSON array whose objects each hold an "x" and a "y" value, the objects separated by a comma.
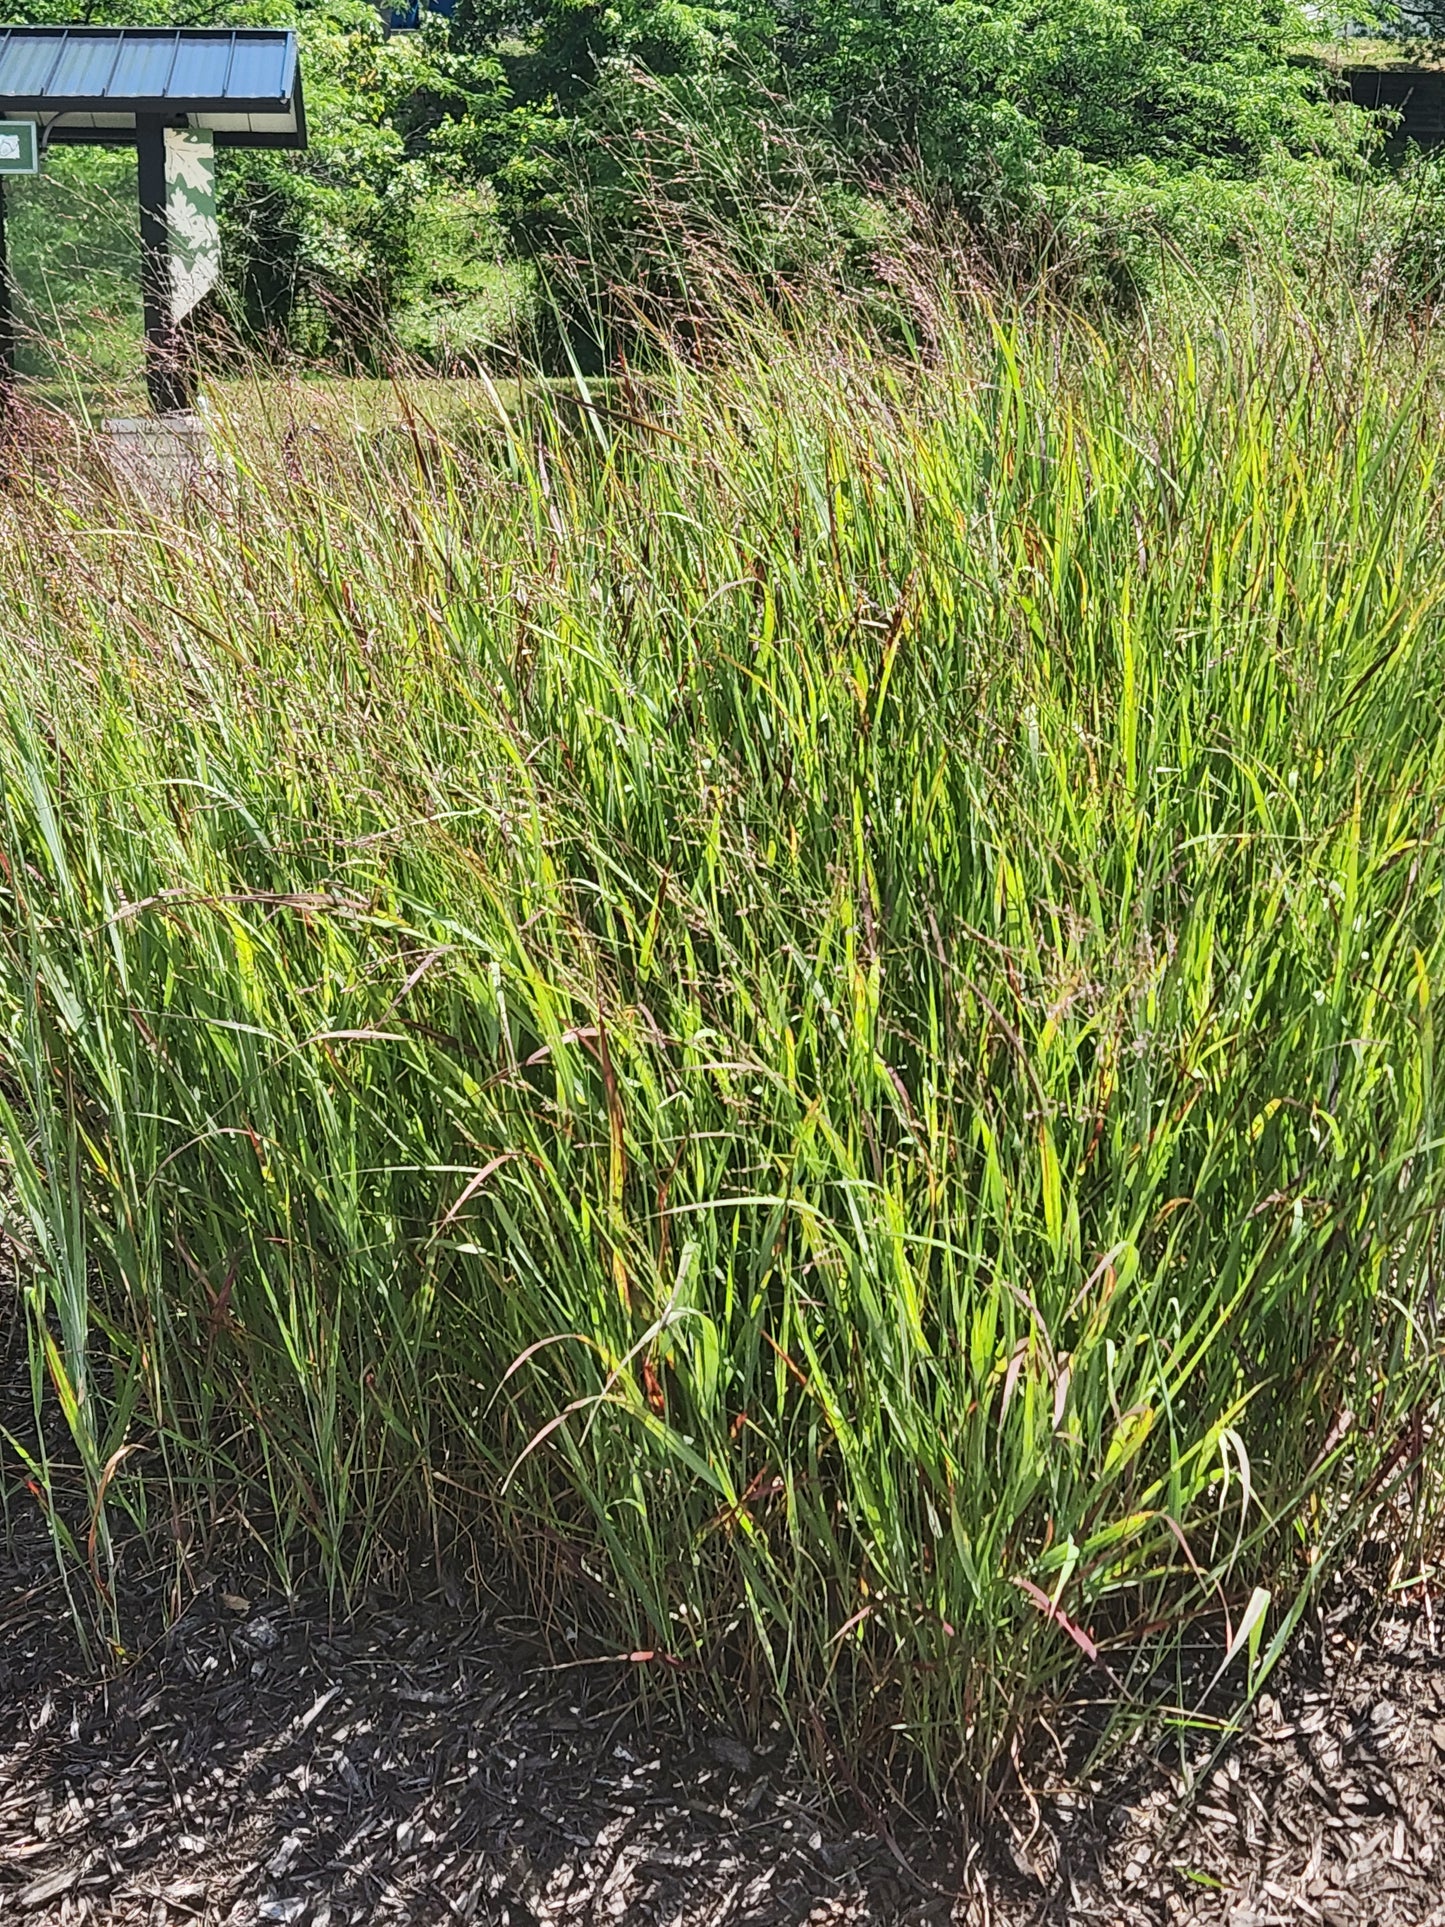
[
  {"x": 74, "y": 265},
  {"x": 1087, "y": 135}
]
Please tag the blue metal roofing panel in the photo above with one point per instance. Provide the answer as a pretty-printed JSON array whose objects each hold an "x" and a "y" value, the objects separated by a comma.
[
  {"x": 84, "y": 65},
  {"x": 200, "y": 64},
  {"x": 25, "y": 63},
  {"x": 50, "y": 67},
  {"x": 258, "y": 70},
  {"x": 142, "y": 72}
]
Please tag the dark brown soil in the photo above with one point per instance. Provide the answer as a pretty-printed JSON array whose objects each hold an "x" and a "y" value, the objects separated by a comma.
[{"x": 425, "y": 1763}]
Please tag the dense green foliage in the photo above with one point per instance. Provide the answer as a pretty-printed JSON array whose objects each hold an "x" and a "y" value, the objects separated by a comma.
[
  {"x": 1085, "y": 129},
  {"x": 575, "y": 138},
  {"x": 812, "y": 992},
  {"x": 979, "y": 95},
  {"x": 74, "y": 252}
]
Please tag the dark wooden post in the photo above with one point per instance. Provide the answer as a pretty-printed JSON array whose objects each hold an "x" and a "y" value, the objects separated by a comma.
[
  {"x": 7, "y": 319},
  {"x": 170, "y": 376}
]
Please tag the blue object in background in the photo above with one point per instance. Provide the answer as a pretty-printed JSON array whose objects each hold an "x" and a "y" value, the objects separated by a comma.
[{"x": 410, "y": 15}]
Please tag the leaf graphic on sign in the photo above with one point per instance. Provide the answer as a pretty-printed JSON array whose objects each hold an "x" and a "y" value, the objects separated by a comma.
[
  {"x": 191, "y": 164},
  {"x": 187, "y": 220},
  {"x": 194, "y": 234}
]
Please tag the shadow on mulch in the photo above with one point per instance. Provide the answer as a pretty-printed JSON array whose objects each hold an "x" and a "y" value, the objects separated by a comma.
[
  {"x": 425, "y": 1764},
  {"x": 421, "y": 1764}
]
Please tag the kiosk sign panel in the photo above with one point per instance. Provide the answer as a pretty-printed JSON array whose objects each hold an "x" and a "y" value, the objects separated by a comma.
[{"x": 19, "y": 149}]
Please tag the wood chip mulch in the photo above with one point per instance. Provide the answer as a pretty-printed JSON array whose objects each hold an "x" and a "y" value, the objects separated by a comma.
[
  {"x": 426, "y": 1763},
  {"x": 430, "y": 1762}
]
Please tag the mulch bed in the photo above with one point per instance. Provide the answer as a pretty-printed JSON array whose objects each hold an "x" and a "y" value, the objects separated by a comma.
[
  {"x": 424, "y": 1763},
  {"x": 428, "y": 1763}
]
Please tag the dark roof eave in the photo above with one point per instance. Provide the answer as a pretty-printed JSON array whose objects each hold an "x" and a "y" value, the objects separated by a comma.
[
  {"x": 125, "y": 137},
  {"x": 147, "y": 104}
]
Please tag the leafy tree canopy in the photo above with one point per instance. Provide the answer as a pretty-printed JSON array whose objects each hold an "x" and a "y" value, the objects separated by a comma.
[{"x": 532, "y": 104}]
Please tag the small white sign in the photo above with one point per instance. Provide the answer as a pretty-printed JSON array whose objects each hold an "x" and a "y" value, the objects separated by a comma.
[{"x": 19, "y": 149}]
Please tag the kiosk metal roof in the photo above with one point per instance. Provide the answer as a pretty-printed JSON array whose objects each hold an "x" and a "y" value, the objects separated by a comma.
[{"x": 92, "y": 83}]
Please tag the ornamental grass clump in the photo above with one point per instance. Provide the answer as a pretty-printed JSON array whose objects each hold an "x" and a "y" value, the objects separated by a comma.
[{"x": 800, "y": 998}]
